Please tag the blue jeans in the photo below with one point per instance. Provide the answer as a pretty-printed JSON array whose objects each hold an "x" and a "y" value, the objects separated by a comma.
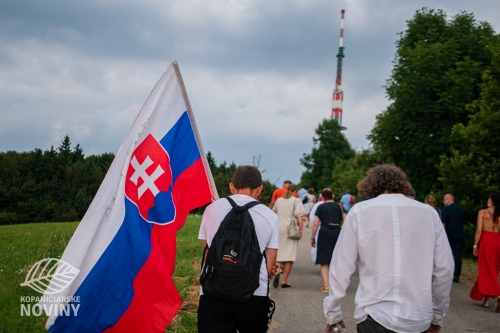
[{"x": 456, "y": 248}]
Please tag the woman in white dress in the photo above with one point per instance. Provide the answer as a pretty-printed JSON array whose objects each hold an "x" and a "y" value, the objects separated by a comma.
[{"x": 287, "y": 207}]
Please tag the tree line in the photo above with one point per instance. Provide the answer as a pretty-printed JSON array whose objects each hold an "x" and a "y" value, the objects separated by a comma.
[
  {"x": 59, "y": 184},
  {"x": 443, "y": 121}
]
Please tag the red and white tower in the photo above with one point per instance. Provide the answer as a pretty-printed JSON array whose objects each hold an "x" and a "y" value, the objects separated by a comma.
[{"x": 338, "y": 94}]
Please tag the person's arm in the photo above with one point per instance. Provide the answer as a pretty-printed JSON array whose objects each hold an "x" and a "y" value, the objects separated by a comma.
[
  {"x": 271, "y": 250},
  {"x": 344, "y": 259},
  {"x": 343, "y": 216},
  {"x": 479, "y": 231},
  {"x": 444, "y": 218},
  {"x": 203, "y": 245},
  {"x": 273, "y": 200},
  {"x": 299, "y": 214},
  {"x": 272, "y": 266},
  {"x": 202, "y": 235},
  {"x": 271, "y": 205},
  {"x": 442, "y": 276},
  {"x": 315, "y": 229},
  {"x": 301, "y": 223}
]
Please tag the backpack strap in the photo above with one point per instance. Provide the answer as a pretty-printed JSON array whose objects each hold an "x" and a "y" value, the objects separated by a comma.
[{"x": 242, "y": 208}]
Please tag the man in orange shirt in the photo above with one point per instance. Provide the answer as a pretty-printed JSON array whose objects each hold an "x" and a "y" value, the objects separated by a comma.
[{"x": 279, "y": 193}]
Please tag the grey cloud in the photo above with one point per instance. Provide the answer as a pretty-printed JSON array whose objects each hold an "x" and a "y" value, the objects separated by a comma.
[{"x": 259, "y": 73}]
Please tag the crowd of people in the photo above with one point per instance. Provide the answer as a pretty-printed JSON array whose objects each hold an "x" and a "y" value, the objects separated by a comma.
[{"x": 400, "y": 289}]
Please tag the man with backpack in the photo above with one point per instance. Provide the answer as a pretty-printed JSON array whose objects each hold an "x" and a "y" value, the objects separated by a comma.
[{"x": 240, "y": 241}]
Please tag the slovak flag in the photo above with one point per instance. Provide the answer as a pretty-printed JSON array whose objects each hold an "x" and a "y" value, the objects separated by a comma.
[{"x": 125, "y": 245}]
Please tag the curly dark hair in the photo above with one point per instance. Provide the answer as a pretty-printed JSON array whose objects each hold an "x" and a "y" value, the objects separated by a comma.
[{"x": 381, "y": 178}]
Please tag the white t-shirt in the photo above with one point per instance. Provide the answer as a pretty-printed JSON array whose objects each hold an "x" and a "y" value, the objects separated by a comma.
[{"x": 266, "y": 228}]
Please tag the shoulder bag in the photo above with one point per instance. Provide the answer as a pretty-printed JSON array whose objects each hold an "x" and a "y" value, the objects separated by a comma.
[{"x": 293, "y": 231}]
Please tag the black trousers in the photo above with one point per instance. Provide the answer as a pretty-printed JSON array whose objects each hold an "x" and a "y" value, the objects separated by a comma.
[
  {"x": 371, "y": 326},
  {"x": 456, "y": 248},
  {"x": 219, "y": 316}
]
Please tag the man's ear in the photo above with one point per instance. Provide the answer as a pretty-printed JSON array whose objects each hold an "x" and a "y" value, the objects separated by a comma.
[
  {"x": 232, "y": 188},
  {"x": 259, "y": 189}
]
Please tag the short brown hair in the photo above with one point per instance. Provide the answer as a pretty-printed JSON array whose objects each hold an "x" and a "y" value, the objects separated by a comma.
[
  {"x": 310, "y": 191},
  {"x": 327, "y": 194},
  {"x": 247, "y": 176},
  {"x": 381, "y": 178},
  {"x": 430, "y": 200}
]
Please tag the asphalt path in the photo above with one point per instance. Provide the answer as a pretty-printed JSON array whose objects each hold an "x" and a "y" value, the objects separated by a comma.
[{"x": 300, "y": 308}]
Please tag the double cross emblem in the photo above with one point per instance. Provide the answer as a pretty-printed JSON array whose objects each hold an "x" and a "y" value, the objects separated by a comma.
[{"x": 148, "y": 180}]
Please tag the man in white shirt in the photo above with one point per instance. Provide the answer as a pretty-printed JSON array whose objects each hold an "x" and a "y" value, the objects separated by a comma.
[
  {"x": 216, "y": 315},
  {"x": 405, "y": 261}
]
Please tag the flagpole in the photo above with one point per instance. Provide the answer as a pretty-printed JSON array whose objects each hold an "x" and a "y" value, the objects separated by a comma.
[{"x": 195, "y": 130}]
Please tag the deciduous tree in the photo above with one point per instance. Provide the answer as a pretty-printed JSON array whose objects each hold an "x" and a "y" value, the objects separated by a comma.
[
  {"x": 437, "y": 72},
  {"x": 330, "y": 149},
  {"x": 472, "y": 172}
]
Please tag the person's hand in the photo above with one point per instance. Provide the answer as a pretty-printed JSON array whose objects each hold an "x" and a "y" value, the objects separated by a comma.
[
  {"x": 274, "y": 270},
  {"x": 474, "y": 252},
  {"x": 329, "y": 328},
  {"x": 313, "y": 243},
  {"x": 434, "y": 328}
]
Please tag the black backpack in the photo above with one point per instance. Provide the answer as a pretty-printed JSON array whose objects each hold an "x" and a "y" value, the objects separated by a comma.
[{"x": 232, "y": 266}]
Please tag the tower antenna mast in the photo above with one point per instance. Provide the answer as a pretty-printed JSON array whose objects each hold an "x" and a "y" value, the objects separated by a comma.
[{"x": 338, "y": 94}]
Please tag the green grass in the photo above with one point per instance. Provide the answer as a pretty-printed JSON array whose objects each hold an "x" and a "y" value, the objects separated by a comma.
[
  {"x": 21, "y": 246},
  {"x": 187, "y": 270},
  {"x": 24, "y": 244}
]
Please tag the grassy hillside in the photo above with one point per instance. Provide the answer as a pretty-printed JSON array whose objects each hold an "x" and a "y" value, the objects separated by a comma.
[{"x": 23, "y": 245}]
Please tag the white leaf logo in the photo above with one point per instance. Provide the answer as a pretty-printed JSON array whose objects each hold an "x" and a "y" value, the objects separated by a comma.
[{"x": 42, "y": 272}]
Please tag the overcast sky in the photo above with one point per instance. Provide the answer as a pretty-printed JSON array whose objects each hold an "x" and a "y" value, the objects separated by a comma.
[{"x": 259, "y": 73}]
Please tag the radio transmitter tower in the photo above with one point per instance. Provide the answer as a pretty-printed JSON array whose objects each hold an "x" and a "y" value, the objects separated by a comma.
[{"x": 338, "y": 94}]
